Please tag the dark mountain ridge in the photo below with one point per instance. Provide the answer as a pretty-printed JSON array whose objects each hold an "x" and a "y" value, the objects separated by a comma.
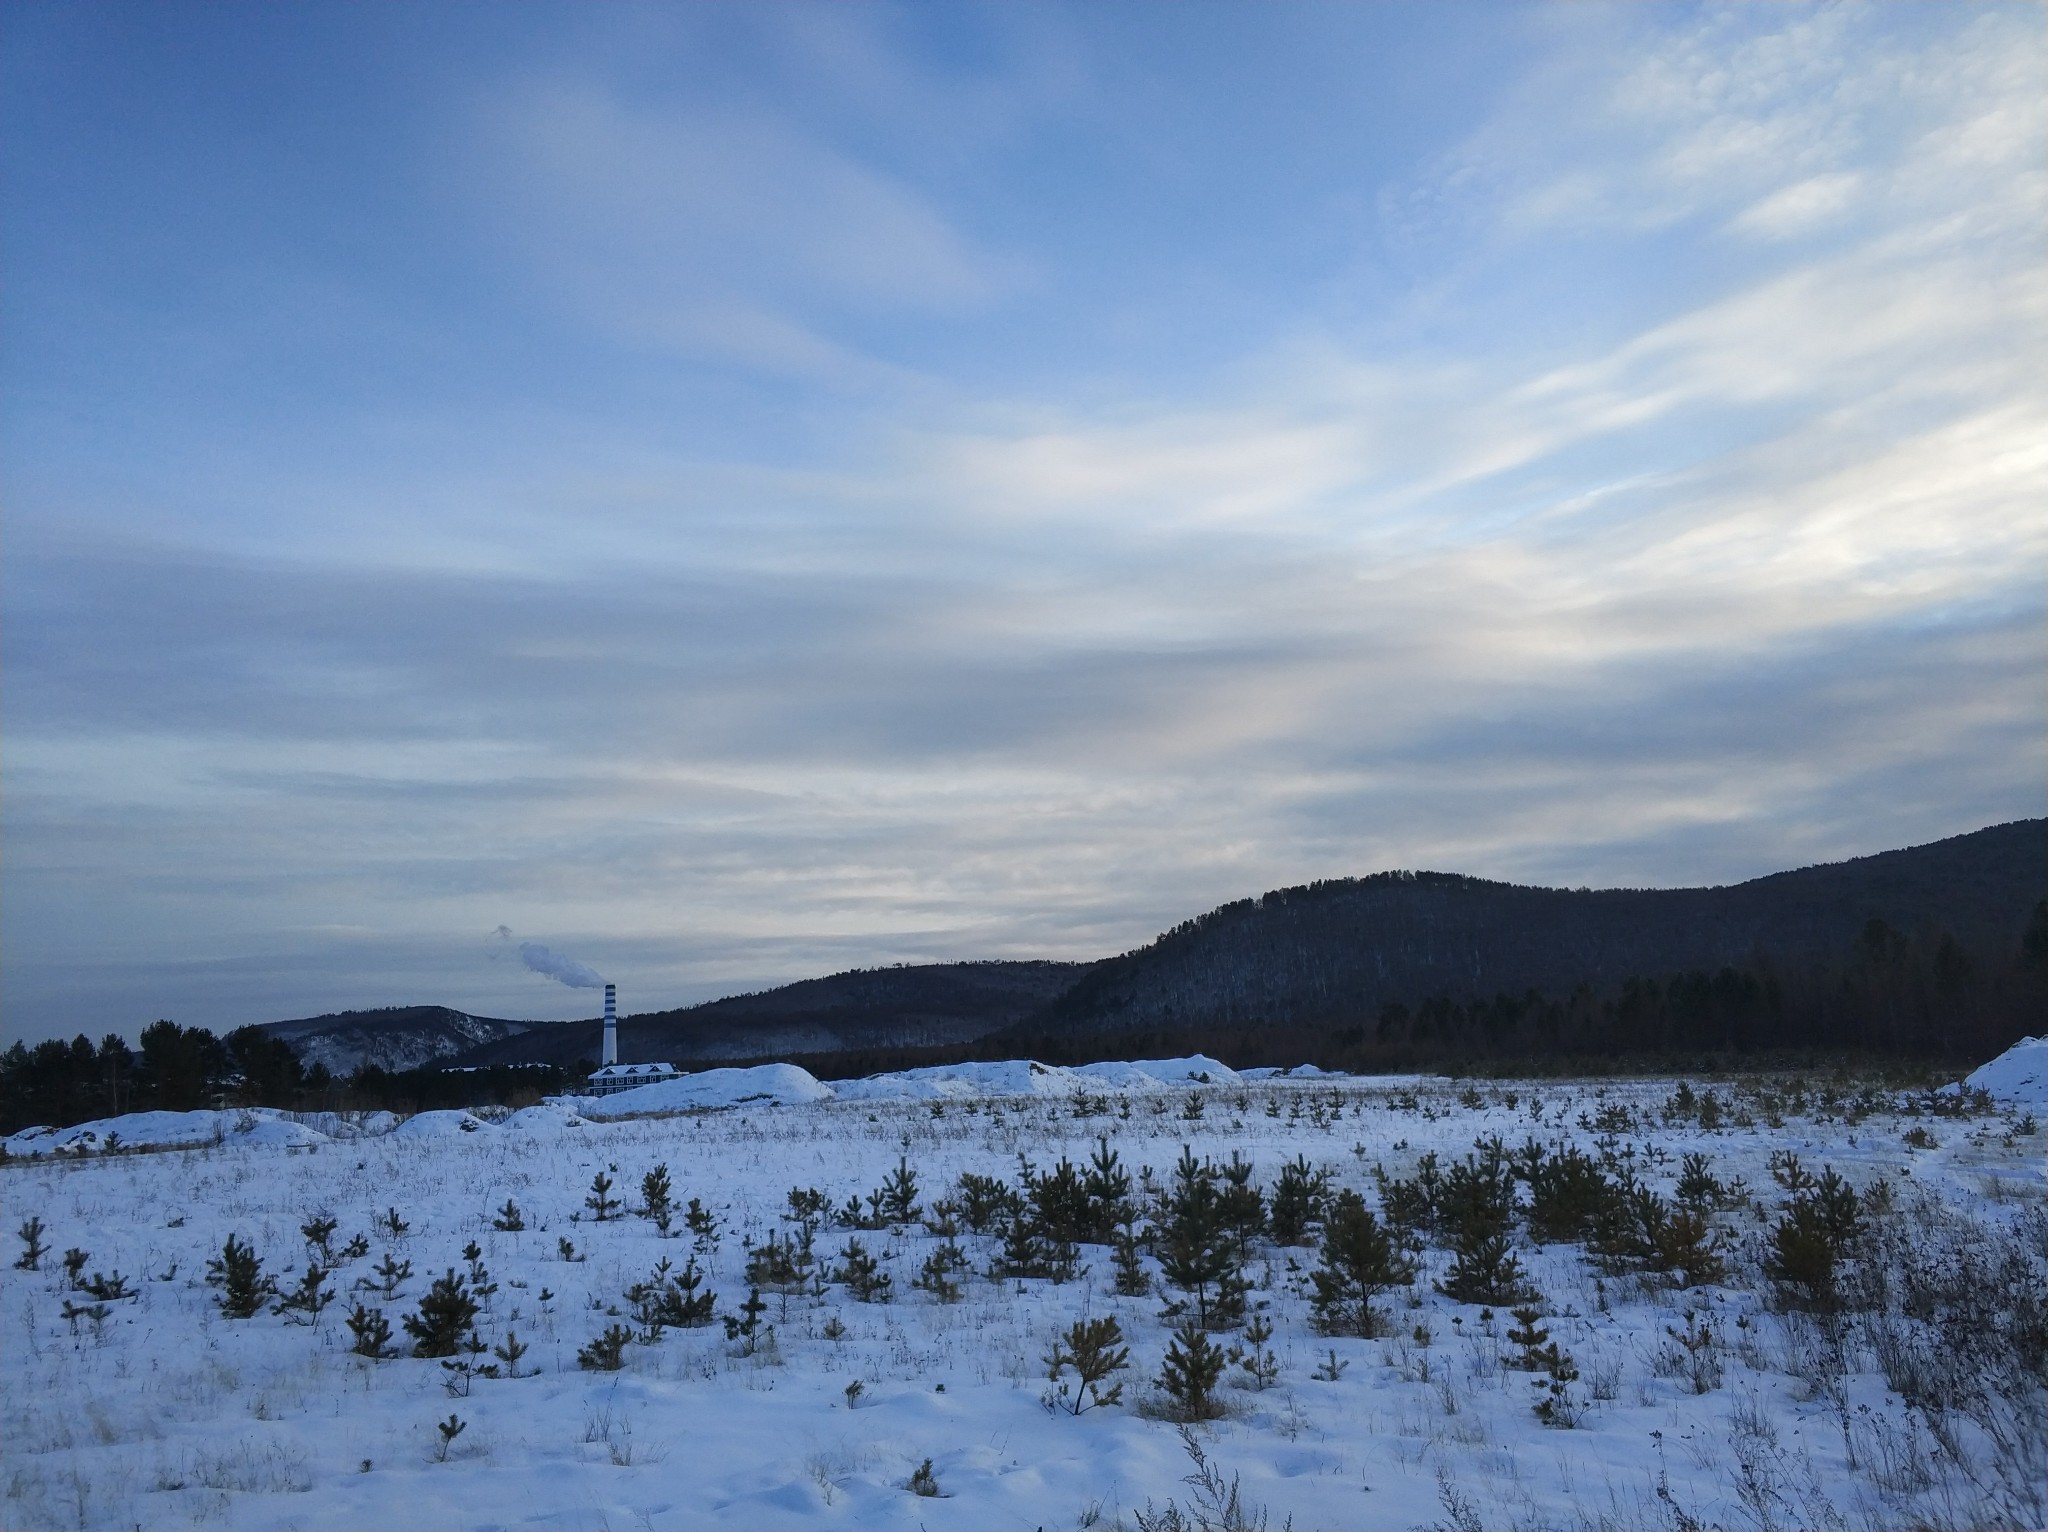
[
  {"x": 913, "y": 1006},
  {"x": 393, "y": 1037},
  {"x": 1348, "y": 948}
]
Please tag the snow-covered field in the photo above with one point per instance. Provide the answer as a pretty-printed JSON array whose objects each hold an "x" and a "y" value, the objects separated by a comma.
[{"x": 1709, "y": 1406}]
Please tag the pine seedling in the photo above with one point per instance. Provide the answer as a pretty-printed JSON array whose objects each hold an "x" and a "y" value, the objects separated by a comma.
[
  {"x": 1093, "y": 1349},
  {"x": 33, "y": 1249},
  {"x": 656, "y": 1202},
  {"x": 862, "y": 1275},
  {"x": 1194, "y": 1365},
  {"x": 607, "y": 1352},
  {"x": 509, "y": 1352},
  {"x": 509, "y": 1219},
  {"x": 74, "y": 1266},
  {"x": 371, "y": 1333},
  {"x": 924, "y": 1482},
  {"x": 465, "y": 1368},
  {"x": 302, "y": 1305},
  {"x": 936, "y": 1276},
  {"x": 354, "y": 1250},
  {"x": 1528, "y": 1333},
  {"x": 702, "y": 1225},
  {"x": 1128, "y": 1262},
  {"x": 566, "y": 1249},
  {"x": 1259, "y": 1359},
  {"x": 745, "y": 1327},
  {"x": 319, "y": 1236},
  {"x": 238, "y": 1273},
  {"x": 107, "y": 1288},
  {"x": 445, "y": 1314},
  {"x": 392, "y": 1226},
  {"x": 391, "y": 1274},
  {"x": 1360, "y": 1261},
  {"x": 899, "y": 1194},
  {"x": 671, "y": 1299},
  {"x": 602, "y": 1204},
  {"x": 450, "y": 1428}
]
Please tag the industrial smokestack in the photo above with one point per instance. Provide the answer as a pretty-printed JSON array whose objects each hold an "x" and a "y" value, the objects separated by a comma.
[{"x": 611, "y": 1024}]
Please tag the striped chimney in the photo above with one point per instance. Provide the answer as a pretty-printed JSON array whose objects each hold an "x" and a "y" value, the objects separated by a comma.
[{"x": 611, "y": 1024}]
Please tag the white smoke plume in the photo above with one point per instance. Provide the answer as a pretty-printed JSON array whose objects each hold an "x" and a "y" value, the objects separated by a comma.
[{"x": 563, "y": 970}]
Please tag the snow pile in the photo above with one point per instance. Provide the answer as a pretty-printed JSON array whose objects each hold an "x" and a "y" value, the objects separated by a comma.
[
  {"x": 1025, "y": 1077},
  {"x": 773, "y": 1084},
  {"x": 254, "y": 1126},
  {"x": 2018, "y": 1074},
  {"x": 444, "y": 1124}
]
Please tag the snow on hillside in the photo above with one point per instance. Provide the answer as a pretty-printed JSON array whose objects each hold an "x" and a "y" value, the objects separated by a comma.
[
  {"x": 149, "y": 1406},
  {"x": 2018, "y": 1074}
]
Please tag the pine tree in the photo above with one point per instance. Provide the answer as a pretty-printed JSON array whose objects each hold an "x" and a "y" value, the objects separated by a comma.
[
  {"x": 746, "y": 1326},
  {"x": 239, "y": 1275},
  {"x": 1193, "y": 1366},
  {"x": 1094, "y": 1349},
  {"x": 371, "y": 1332},
  {"x": 1258, "y": 1358},
  {"x": 861, "y": 1274},
  {"x": 1360, "y": 1261},
  {"x": 897, "y": 1201},
  {"x": 1107, "y": 1187},
  {"x": 31, "y": 1236},
  {"x": 302, "y": 1305},
  {"x": 656, "y": 1204},
  {"x": 602, "y": 1204},
  {"x": 446, "y": 1313},
  {"x": 702, "y": 1225},
  {"x": 1297, "y": 1201},
  {"x": 509, "y": 1220},
  {"x": 606, "y": 1352}
]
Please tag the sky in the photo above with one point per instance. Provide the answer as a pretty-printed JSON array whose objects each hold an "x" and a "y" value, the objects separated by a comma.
[{"x": 717, "y": 495}]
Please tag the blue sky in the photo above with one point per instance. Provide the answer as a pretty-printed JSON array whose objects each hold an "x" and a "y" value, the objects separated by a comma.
[{"x": 731, "y": 493}]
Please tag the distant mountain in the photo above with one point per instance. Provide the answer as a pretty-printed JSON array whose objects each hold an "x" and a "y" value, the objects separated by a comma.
[
  {"x": 1340, "y": 951},
  {"x": 1339, "y": 956},
  {"x": 915, "y": 1006},
  {"x": 395, "y": 1037}
]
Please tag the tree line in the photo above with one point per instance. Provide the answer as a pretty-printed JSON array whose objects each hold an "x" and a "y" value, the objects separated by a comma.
[{"x": 181, "y": 1069}]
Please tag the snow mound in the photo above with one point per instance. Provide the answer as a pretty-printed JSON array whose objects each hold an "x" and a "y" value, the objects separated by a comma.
[
  {"x": 1026, "y": 1077},
  {"x": 1149, "y": 1074},
  {"x": 548, "y": 1117},
  {"x": 255, "y": 1126},
  {"x": 2018, "y": 1074},
  {"x": 776, "y": 1084},
  {"x": 444, "y": 1124}
]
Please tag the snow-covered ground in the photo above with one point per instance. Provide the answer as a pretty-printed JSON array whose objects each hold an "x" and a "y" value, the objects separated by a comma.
[{"x": 164, "y": 1413}]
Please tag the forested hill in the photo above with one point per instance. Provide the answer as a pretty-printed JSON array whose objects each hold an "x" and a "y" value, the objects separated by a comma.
[
  {"x": 392, "y": 1038},
  {"x": 1366, "y": 950},
  {"x": 920, "y": 1006}
]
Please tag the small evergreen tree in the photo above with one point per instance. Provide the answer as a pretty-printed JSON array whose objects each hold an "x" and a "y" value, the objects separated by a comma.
[
  {"x": 1297, "y": 1201},
  {"x": 670, "y": 1299},
  {"x": 897, "y": 1201},
  {"x": 606, "y": 1352},
  {"x": 1093, "y": 1349},
  {"x": 509, "y": 1220},
  {"x": 745, "y": 1327},
  {"x": 1360, "y": 1261},
  {"x": 509, "y": 1352},
  {"x": 445, "y": 1314},
  {"x": 602, "y": 1204},
  {"x": 1258, "y": 1358},
  {"x": 33, "y": 1248},
  {"x": 656, "y": 1203},
  {"x": 391, "y": 1274},
  {"x": 302, "y": 1305},
  {"x": 239, "y": 1276},
  {"x": 319, "y": 1236},
  {"x": 1128, "y": 1262},
  {"x": 1107, "y": 1189},
  {"x": 702, "y": 1225},
  {"x": 1193, "y": 1367},
  {"x": 861, "y": 1274},
  {"x": 936, "y": 1276},
  {"x": 371, "y": 1333}
]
